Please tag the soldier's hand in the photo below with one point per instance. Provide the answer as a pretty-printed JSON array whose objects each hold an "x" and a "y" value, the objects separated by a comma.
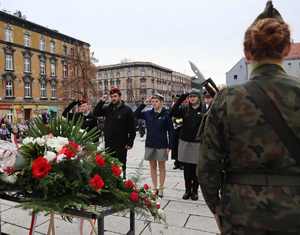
[
  {"x": 148, "y": 100},
  {"x": 104, "y": 98}
]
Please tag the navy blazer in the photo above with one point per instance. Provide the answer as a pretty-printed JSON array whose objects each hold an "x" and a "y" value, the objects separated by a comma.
[{"x": 159, "y": 126}]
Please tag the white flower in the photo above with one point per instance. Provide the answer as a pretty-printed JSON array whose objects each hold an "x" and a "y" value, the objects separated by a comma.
[
  {"x": 60, "y": 158},
  {"x": 50, "y": 156},
  {"x": 28, "y": 140},
  {"x": 41, "y": 141},
  {"x": 57, "y": 142}
]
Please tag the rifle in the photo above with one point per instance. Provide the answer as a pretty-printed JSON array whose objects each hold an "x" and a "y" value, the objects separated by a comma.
[{"x": 208, "y": 84}]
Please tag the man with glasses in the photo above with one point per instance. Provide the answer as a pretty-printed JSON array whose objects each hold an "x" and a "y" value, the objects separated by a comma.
[{"x": 119, "y": 126}]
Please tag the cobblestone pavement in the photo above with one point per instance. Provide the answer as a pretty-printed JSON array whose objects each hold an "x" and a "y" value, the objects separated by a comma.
[{"x": 183, "y": 217}]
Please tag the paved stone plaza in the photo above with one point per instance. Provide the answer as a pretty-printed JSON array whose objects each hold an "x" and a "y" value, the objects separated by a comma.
[{"x": 183, "y": 217}]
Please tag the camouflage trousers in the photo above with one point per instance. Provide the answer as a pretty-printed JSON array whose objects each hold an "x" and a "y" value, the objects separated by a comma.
[{"x": 229, "y": 229}]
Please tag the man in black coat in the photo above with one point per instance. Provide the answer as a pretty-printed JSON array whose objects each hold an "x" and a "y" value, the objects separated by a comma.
[
  {"x": 89, "y": 120},
  {"x": 119, "y": 126}
]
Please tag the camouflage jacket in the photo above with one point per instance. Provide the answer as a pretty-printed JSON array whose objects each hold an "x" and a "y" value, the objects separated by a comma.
[{"x": 236, "y": 133}]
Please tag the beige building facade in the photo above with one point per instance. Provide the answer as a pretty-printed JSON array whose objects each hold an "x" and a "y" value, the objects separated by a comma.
[
  {"x": 35, "y": 61},
  {"x": 139, "y": 80}
]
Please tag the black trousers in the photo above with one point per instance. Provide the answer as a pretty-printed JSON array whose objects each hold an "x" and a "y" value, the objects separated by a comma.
[
  {"x": 121, "y": 154},
  {"x": 190, "y": 177}
]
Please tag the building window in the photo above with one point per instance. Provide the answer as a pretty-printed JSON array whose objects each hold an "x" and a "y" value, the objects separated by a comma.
[
  {"x": 27, "y": 89},
  {"x": 128, "y": 72},
  {"x": 42, "y": 67},
  {"x": 27, "y": 64},
  {"x": 53, "y": 69},
  {"x": 53, "y": 90},
  {"x": 65, "y": 50},
  {"x": 8, "y": 34},
  {"x": 52, "y": 47},
  {"x": 9, "y": 62},
  {"x": 143, "y": 71},
  {"x": 42, "y": 43},
  {"x": 27, "y": 40},
  {"x": 72, "y": 51},
  {"x": 9, "y": 88},
  {"x": 43, "y": 89},
  {"x": 65, "y": 70},
  {"x": 235, "y": 77}
]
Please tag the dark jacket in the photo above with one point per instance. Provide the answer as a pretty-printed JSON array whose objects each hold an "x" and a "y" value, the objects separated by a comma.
[
  {"x": 89, "y": 120},
  {"x": 119, "y": 127},
  {"x": 159, "y": 126},
  {"x": 191, "y": 119}
]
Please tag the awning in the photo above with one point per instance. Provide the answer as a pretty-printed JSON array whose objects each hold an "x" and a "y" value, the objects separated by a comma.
[{"x": 52, "y": 109}]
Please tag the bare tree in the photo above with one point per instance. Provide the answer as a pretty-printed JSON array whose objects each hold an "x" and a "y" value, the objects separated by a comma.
[{"x": 80, "y": 82}]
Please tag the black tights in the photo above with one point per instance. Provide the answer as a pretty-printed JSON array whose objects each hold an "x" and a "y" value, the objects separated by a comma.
[{"x": 190, "y": 177}]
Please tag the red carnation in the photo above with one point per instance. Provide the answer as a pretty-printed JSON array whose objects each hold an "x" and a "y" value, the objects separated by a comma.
[
  {"x": 134, "y": 197},
  {"x": 116, "y": 170},
  {"x": 67, "y": 151},
  {"x": 74, "y": 145},
  {"x": 96, "y": 182},
  {"x": 40, "y": 167},
  {"x": 146, "y": 187},
  {"x": 129, "y": 184},
  {"x": 100, "y": 160}
]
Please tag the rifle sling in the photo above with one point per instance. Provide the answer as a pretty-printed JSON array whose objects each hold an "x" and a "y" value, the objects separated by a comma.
[{"x": 273, "y": 116}]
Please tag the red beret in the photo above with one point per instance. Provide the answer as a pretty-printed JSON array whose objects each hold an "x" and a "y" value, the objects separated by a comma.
[{"x": 115, "y": 90}]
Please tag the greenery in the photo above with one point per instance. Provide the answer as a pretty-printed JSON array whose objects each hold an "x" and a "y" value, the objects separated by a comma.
[{"x": 78, "y": 176}]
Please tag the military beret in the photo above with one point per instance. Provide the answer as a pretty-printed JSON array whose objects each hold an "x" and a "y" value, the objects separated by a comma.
[{"x": 115, "y": 90}]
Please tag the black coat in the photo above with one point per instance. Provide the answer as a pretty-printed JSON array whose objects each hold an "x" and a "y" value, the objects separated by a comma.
[
  {"x": 89, "y": 120},
  {"x": 119, "y": 124},
  {"x": 191, "y": 119}
]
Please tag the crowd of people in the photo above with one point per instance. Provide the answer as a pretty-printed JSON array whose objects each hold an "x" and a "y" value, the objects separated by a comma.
[{"x": 168, "y": 130}]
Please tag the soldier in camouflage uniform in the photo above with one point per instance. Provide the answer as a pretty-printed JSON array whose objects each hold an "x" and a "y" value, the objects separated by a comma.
[{"x": 248, "y": 177}]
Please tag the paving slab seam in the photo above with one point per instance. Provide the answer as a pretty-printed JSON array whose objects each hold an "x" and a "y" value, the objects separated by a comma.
[
  {"x": 186, "y": 221},
  {"x": 146, "y": 226},
  {"x": 15, "y": 225}
]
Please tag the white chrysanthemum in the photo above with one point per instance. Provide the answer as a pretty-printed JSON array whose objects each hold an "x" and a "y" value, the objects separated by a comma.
[
  {"x": 28, "y": 140},
  {"x": 50, "y": 156},
  {"x": 41, "y": 141},
  {"x": 57, "y": 143}
]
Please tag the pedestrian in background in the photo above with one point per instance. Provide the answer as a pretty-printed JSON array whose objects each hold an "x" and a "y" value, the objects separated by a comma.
[
  {"x": 189, "y": 146},
  {"x": 159, "y": 138},
  {"x": 249, "y": 168},
  {"x": 119, "y": 125}
]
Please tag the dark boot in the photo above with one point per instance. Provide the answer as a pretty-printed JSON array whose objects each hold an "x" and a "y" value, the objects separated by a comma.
[
  {"x": 188, "y": 191},
  {"x": 194, "y": 194}
]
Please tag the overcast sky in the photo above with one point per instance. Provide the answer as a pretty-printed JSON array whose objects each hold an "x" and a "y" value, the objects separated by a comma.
[{"x": 166, "y": 32}]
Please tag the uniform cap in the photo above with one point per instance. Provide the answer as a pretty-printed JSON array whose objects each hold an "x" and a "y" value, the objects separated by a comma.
[
  {"x": 269, "y": 12},
  {"x": 195, "y": 92},
  {"x": 158, "y": 96}
]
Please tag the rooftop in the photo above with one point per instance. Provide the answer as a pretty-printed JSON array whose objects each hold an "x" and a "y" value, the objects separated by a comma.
[
  {"x": 295, "y": 52},
  {"x": 133, "y": 64},
  {"x": 19, "y": 21}
]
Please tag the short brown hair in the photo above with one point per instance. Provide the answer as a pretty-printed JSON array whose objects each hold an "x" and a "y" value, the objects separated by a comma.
[{"x": 267, "y": 39}]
